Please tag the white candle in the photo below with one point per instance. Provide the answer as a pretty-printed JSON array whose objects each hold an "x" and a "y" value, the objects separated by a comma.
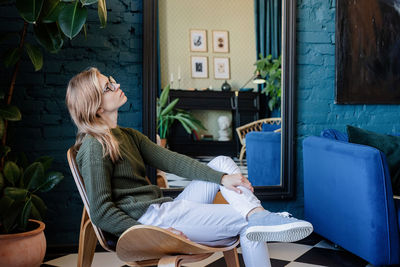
[
  {"x": 172, "y": 77},
  {"x": 179, "y": 73}
]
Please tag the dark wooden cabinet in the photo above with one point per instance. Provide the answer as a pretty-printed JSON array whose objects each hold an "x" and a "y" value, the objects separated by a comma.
[{"x": 248, "y": 109}]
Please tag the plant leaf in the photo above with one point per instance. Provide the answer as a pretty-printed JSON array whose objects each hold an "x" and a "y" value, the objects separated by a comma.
[
  {"x": 16, "y": 193},
  {"x": 25, "y": 214},
  {"x": 10, "y": 220},
  {"x": 11, "y": 172},
  {"x": 1, "y": 127},
  {"x": 39, "y": 205},
  {"x": 11, "y": 56},
  {"x": 50, "y": 11},
  {"x": 34, "y": 175},
  {"x": 29, "y": 9},
  {"x": 4, "y": 150},
  {"x": 170, "y": 107},
  {"x": 5, "y": 203},
  {"x": 52, "y": 179},
  {"x": 88, "y": 2},
  {"x": 10, "y": 112},
  {"x": 71, "y": 19},
  {"x": 46, "y": 161},
  {"x": 164, "y": 96},
  {"x": 35, "y": 55},
  {"x": 102, "y": 12},
  {"x": 49, "y": 36}
]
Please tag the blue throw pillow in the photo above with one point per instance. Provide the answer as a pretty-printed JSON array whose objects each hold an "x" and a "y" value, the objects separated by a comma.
[
  {"x": 266, "y": 127},
  {"x": 388, "y": 144},
  {"x": 335, "y": 134}
]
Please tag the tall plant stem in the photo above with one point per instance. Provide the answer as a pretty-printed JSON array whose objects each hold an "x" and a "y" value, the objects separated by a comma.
[{"x": 12, "y": 85}]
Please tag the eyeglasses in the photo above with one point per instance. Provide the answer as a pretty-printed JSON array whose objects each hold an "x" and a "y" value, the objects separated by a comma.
[{"x": 111, "y": 85}]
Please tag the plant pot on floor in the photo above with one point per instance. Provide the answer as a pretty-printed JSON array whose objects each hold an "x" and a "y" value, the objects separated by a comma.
[{"x": 24, "y": 249}]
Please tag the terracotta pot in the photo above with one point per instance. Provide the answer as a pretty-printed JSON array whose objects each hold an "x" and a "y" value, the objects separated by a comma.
[
  {"x": 163, "y": 142},
  {"x": 23, "y": 249}
]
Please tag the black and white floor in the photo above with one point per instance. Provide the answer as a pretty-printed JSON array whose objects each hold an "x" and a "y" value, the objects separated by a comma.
[{"x": 311, "y": 252}]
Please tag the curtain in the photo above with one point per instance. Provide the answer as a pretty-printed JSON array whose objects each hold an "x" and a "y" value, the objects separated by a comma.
[{"x": 268, "y": 22}]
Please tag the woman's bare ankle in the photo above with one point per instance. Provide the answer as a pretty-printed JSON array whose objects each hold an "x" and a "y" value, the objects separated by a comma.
[{"x": 258, "y": 209}]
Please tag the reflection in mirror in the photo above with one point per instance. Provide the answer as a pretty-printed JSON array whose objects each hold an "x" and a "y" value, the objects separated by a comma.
[{"x": 208, "y": 55}]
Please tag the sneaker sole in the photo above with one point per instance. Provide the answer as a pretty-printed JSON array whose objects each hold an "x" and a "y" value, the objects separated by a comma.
[{"x": 290, "y": 232}]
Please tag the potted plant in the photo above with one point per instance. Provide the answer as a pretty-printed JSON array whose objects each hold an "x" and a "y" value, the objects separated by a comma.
[
  {"x": 167, "y": 114},
  {"x": 22, "y": 211},
  {"x": 271, "y": 70}
]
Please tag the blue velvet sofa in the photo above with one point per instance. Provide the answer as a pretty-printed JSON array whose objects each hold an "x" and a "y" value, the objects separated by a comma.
[
  {"x": 263, "y": 154},
  {"x": 348, "y": 197}
]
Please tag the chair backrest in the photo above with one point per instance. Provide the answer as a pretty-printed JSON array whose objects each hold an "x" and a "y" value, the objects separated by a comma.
[
  {"x": 255, "y": 126},
  {"x": 71, "y": 156}
]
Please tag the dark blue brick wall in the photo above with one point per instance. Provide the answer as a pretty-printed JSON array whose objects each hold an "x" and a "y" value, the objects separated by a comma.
[{"x": 46, "y": 128}]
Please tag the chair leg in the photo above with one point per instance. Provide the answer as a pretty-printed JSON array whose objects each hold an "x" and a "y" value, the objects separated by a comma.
[
  {"x": 231, "y": 258},
  {"x": 169, "y": 261},
  {"x": 87, "y": 242},
  {"x": 242, "y": 151}
]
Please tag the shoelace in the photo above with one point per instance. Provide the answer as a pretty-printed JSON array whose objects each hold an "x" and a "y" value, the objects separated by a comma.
[{"x": 284, "y": 214}]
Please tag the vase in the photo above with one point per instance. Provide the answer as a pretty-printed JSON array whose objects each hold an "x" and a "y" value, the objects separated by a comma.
[{"x": 25, "y": 249}]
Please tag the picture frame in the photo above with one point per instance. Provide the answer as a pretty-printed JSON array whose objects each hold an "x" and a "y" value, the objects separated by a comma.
[
  {"x": 199, "y": 66},
  {"x": 367, "y": 54},
  {"x": 220, "y": 41},
  {"x": 198, "y": 40},
  {"x": 222, "y": 68}
]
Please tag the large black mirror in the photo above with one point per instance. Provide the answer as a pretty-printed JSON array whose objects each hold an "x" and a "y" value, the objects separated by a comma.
[{"x": 151, "y": 78}]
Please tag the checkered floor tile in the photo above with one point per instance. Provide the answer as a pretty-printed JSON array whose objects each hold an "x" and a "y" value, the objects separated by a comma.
[{"x": 310, "y": 252}]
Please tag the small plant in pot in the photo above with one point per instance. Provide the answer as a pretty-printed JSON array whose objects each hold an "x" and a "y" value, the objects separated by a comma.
[
  {"x": 22, "y": 211},
  {"x": 167, "y": 114},
  {"x": 271, "y": 70}
]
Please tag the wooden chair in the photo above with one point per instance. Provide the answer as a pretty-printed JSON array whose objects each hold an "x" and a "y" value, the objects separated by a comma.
[
  {"x": 141, "y": 245},
  {"x": 253, "y": 126}
]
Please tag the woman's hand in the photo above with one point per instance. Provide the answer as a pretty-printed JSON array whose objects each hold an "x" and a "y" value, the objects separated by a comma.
[
  {"x": 232, "y": 181},
  {"x": 177, "y": 232}
]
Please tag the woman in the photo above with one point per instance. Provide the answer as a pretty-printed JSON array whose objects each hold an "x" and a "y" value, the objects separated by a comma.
[{"x": 112, "y": 162}]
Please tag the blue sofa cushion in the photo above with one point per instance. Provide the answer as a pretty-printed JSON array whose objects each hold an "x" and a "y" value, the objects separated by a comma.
[
  {"x": 335, "y": 134},
  {"x": 266, "y": 127},
  {"x": 388, "y": 144}
]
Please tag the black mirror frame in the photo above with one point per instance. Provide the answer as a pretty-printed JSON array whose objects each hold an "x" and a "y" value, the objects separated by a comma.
[{"x": 150, "y": 85}]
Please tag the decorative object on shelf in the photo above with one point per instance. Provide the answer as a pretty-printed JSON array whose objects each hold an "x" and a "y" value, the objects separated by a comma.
[
  {"x": 223, "y": 123},
  {"x": 220, "y": 41},
  {"x": 198, "y": 40},
  {"x": 256, "y": 78},
  {"x": 207, "y": 137},
  {"x": 226, "y": 86},
  {"x": 167, "y": 114},
  {"x": 221, "y": 68},
  {"x": 271, "y": 70},
  {"x": 367, "y": 58},
  {"x": 199, "y": 67}
]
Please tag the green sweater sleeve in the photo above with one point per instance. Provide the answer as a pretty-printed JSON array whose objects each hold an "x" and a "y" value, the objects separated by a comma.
[
  {"x": 97, "y": 172},
  {"x": 172, "y": 162}
]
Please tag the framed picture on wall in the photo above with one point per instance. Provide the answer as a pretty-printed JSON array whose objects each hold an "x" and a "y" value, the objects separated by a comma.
[
  {"x": 199, "y": 67},
  {"x": 221, "y": 68},
  {"x": 198, "y": 40},
  {"x": 220, "y": 41}
]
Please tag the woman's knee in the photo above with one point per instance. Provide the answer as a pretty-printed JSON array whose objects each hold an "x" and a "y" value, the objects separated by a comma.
[{"x": 224, "y": 164}]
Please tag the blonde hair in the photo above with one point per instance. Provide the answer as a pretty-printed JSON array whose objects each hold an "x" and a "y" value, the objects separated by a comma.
[{"x": 83, "y": 100}]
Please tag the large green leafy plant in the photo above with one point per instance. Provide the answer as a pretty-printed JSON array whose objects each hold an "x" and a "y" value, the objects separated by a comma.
[
  {"x": 19, "y": 200},
  {"x": 270, "y": 69},
  {"x": 167, "y": 114},
  {"x": 53, "y": 21}
]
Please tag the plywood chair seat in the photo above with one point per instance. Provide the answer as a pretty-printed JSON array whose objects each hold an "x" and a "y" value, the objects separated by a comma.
[{"x": 141, "y": 245}]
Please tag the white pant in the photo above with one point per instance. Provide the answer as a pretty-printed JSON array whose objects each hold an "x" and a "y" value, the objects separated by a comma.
[{"x": 193, "y": 213}]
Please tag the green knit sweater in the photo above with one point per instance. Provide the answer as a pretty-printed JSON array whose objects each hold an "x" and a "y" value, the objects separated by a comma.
[{"x": 119, "y": 193}]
